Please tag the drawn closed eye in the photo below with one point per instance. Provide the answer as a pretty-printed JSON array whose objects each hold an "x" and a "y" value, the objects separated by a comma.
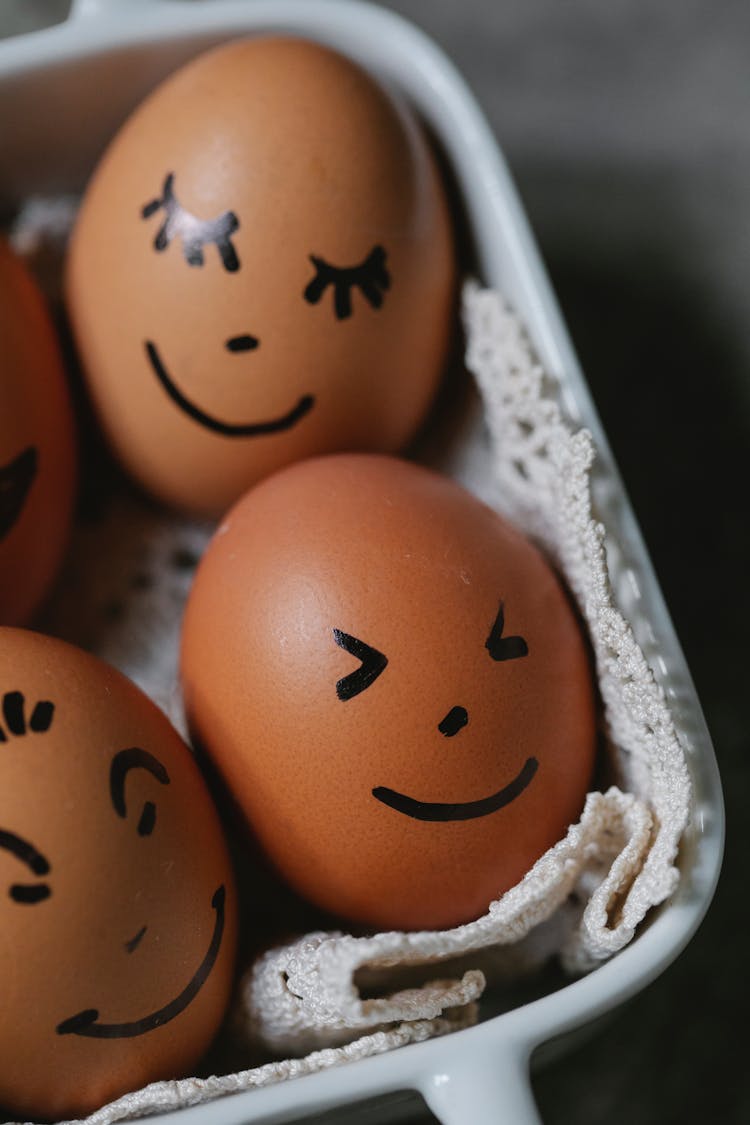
[
  {"x": 504, "y": 648},
  {"x": 26, "y": 893},
  {"x": 194, "y": 232},
  {"x": 371, "y": 277},
  {"x": 122, "y": 763},
  {"x": 373, "y": 663}
]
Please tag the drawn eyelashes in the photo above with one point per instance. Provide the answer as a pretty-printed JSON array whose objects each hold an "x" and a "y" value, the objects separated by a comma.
[
  {"x": 194, "y": 232},
  {"x": 371, "y": 277},
  {"x": 14, "y": 716},
  {"x": 374, "y": 662}
]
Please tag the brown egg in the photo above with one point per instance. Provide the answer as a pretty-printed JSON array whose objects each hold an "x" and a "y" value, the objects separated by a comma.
[
  {"x": 394, "y": 685},
  {"x": 117, "y": 903},
  {"x": 37, "y": 445},
  {"x": 262, "y": 270}
]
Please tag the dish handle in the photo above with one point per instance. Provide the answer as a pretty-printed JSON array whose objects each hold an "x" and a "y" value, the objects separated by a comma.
[{"x": 489, "y": 1088}]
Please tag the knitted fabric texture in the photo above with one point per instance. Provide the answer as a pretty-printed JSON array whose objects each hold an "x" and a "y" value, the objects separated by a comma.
[{"x": 163, "y": 1097}]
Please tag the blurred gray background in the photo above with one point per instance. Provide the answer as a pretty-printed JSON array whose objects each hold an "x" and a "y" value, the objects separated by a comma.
[{"x": 627, "y": 126}]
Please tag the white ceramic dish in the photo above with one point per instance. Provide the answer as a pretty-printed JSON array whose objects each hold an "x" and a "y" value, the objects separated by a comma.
[{"x": 63, "y": 91}]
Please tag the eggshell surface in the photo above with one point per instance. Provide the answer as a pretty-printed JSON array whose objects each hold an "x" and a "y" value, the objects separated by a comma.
[
  {"x": 262, "y": 270},
  {"x": 117, "y": 902},
  {"x": 395, "y": 687},
  {"x": 37, "y": 445}
]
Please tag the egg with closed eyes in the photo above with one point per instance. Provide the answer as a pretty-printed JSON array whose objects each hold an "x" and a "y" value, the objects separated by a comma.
[
  {"x": 118, "y": 912},
  {"x": 262, "y": 269},
  {"x": 395, "y": 687}
]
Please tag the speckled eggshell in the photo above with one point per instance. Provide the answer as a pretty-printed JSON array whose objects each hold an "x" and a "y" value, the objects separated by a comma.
[
  {"x": 395, "y": 687},
  {"x": 37, "y": 445},
  {"x": 117, "y": 902},
  {"x": 262, "y": 270}
]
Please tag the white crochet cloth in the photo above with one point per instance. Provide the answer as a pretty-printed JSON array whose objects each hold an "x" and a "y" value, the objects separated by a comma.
[
  {"x": 161, "y": 1097},
  {"x": 582, "y": 900}
]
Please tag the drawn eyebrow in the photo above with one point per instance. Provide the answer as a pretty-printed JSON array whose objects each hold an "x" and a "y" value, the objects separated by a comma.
[
  {"x": 504, "y": 648},
  {"x": 194, "y": 232},
  {"x": 122, "y": 763},
  {"x": 371, "y": 277},
  {"x": 373, "y": 663},
  {"x": 27, "y": 853}
]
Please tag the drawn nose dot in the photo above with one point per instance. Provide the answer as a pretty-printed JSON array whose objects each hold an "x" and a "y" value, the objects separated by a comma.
[
  {"x": 242, "y": 343},
  {"x": 454, "y": 721}
]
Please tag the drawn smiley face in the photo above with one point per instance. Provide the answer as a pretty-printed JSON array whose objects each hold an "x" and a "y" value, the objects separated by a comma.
[
  {"x": 371, "y": 277},
  {"x": 116, "y": 897},
  {"x": 373, "y": 663},
  {"x": 262, "y": 274},
  {"x": 395, "y": 687}
]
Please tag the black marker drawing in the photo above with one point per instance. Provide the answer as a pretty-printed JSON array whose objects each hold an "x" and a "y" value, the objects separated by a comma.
[
  {"x": 373, "y": 663},
  {"x": 226, "y": 429},
  {"x": 14, "y": 716},
  {"x": 242, "y": 343},
  {"x": 504, "y": 648},
  {"x": 134, "y": 942},
  {"x": 16, "y": 478},
  {"x": 371, "y": 277},
  {"x": 122, "y": 763},
  {"x": 86, "y": 1022},
  {"x": 194, "y": 232},
  {"x": 466, "y": 810},
  {"x": 26, "y": 893},
  {"x": 454, "y": 721}
]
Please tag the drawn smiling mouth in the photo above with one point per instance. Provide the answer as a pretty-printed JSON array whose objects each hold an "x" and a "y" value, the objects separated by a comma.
[
  {"x": 85, "y": 1022},
  {"x": 16, "y": 479},
  {"x": 227, "y": 429},
  {"x": 466, "y": 810}
]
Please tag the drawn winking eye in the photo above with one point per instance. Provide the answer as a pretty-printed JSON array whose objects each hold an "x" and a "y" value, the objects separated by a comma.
[
  {"x": 194, "y": 232},
  {"x": 373, "y": 663},
  {"x": 371, "y": 277},
  {"x": 504, "y": 648}
]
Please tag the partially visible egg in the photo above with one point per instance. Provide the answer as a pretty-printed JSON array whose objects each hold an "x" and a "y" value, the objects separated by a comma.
[
  {"x": 395, "y": 687},
  {"x": 117, "y": 901},
  {"x": 37, "y": 445},
  {"x": 262, "y": 270}
]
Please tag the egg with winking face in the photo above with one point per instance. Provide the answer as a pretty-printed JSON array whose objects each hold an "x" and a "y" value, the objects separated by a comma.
[{"x": 395, "y": 686}]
